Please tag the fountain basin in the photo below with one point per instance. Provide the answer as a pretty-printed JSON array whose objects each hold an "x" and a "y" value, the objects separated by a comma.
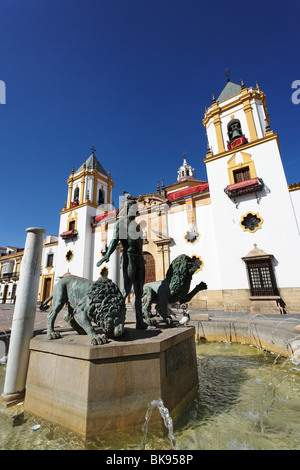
[
  {"x": 277, "y": 336},
  {"x": 95, "y": 389}
]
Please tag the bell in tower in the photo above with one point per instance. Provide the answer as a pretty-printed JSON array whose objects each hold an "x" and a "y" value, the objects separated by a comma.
[{"x": 234, "y": 131}]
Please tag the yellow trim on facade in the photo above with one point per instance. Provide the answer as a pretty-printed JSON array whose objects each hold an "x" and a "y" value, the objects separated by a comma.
[
  {"x": 82, "y": 183},
  {"x": 220, "y": 142},
  {"x": 50, "y": 244},
  {"x": 86, "y": 203},
  {"x": 90, "y": 172},
  {"x": 294, "y": 187},
  {"x": 44, "y": 277},
  {"x": 72, "y": 219},
  {"x": 252, "y": 93},
  {"x": 70, "y": 190},
  {"x": 250, "y": 120},
  {"x": 72, "y": 256},
  {"x": 233, "y": 166},
  {"x": 242, "y": 98},
  {"x": 210, "y": 158},
  {"x": 256, "y": 228},
  {"x": 196, "y": 238},
  {"x": 81, "y": 178},
  {"x": 102, "y": 269},
  {"x": 201, "y": 261},
  {"x": 95, "y": 185}
]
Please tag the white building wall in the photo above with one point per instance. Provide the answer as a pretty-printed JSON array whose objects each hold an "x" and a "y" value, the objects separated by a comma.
[
  {"x": 81, "y": 246},
  {"x": 259, "y": 117},
  {"x": 51, "y": 250},
  {"x": 205, "y": 247},
  {"x": 278, "y": 234},
  {"x": 295, "y": 199}
]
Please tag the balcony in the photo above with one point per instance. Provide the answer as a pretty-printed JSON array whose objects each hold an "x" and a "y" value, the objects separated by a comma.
[
  {"x": 70, "y": 234},
  {"x": 253, "y": 185},
  {"x": 9, "y": 277}
]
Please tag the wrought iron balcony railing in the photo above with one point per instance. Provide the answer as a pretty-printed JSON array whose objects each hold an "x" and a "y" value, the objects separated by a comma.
[{"x": 9, "y": 276}]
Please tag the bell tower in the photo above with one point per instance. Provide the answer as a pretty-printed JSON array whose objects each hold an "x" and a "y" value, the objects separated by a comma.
[
  {"x": 250, "y": 200},
  {"x": 237, "y": 117},
  {"x": 89, "y": 194}
]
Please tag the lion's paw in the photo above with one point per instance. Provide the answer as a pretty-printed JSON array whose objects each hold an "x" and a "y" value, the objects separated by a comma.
[
  {"x": 202, "y": 286},
  {"x": 54, "y": 335},
  {"x": 99, "y": 339}
]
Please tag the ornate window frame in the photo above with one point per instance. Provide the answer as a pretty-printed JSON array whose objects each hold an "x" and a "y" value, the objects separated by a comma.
[
  {"x": 253, "y": 184},
  {"x": 201, "y": 261},
  {"x": 104, "y": 271},
  {"x": 71, "y": 231},
  {"x": 71, "y": 256},
  {"x": 254, "y": 214},
  {"x": 261, "y": 276},
  {"x": 192, "y": 237},
  {"x": 233, "y": 166}
]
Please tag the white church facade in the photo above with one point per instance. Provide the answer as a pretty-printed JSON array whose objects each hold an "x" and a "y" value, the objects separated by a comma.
[{"x": 242, "y": 223}]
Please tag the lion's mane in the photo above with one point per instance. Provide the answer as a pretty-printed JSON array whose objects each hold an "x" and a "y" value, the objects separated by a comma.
[
  {"x": 179, "y": 275},
  {"x": 105, "y": 300}
]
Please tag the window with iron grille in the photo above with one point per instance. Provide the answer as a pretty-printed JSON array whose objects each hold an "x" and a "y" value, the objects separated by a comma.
[
  {"x": 243, "y": 174},
  {"x": 261, "y": 277}
]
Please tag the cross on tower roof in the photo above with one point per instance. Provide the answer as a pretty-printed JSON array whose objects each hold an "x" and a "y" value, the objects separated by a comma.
[{"x": 227, "y": 73}]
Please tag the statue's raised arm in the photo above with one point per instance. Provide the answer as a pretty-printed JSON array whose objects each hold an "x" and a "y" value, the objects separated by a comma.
[{"x": 112, "y": 246}]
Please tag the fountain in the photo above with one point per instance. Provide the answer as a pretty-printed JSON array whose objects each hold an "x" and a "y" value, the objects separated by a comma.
[
  {"x": 164, "y": 412},
  {"x": 242, "y": 397},
  {"x": 95, "y": 391},
  {"x": 97, "y": 380}
]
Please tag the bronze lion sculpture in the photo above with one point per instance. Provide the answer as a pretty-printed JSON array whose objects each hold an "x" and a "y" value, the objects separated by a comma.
[
  {"x": 174, "y": 288},
  {"x": 100, "y": 302}
]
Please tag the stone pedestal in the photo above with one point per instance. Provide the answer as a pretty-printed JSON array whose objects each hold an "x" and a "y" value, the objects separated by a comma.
[{"x": 95, "y": 389}]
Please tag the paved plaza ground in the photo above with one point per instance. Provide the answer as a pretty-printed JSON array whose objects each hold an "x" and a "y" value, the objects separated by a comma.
[{"x": 280, "y": 321}]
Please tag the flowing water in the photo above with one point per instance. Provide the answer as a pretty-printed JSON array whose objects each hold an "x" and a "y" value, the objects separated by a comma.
[
  {"x": 247, "y": 399},
  {"x": 168, "y": 422}
]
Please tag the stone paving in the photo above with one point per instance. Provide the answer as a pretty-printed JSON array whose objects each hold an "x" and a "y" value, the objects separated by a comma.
[
  {"x": 6, "y": 317},
  {"x": 280, "y": 321}
]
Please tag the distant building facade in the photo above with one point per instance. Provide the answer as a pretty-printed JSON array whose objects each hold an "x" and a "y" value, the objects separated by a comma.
[{"x": 10, "y": 265}]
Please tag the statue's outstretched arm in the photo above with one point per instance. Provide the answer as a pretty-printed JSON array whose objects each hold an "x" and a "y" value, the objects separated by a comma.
[{"x": 112, "y": 246}]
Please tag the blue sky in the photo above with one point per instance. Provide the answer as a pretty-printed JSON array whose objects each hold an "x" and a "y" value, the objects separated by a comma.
[{"x": 132, "y": 78}]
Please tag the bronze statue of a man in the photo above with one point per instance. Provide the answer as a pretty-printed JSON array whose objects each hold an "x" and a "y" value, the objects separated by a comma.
[{"x": 129, "y": 233}]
